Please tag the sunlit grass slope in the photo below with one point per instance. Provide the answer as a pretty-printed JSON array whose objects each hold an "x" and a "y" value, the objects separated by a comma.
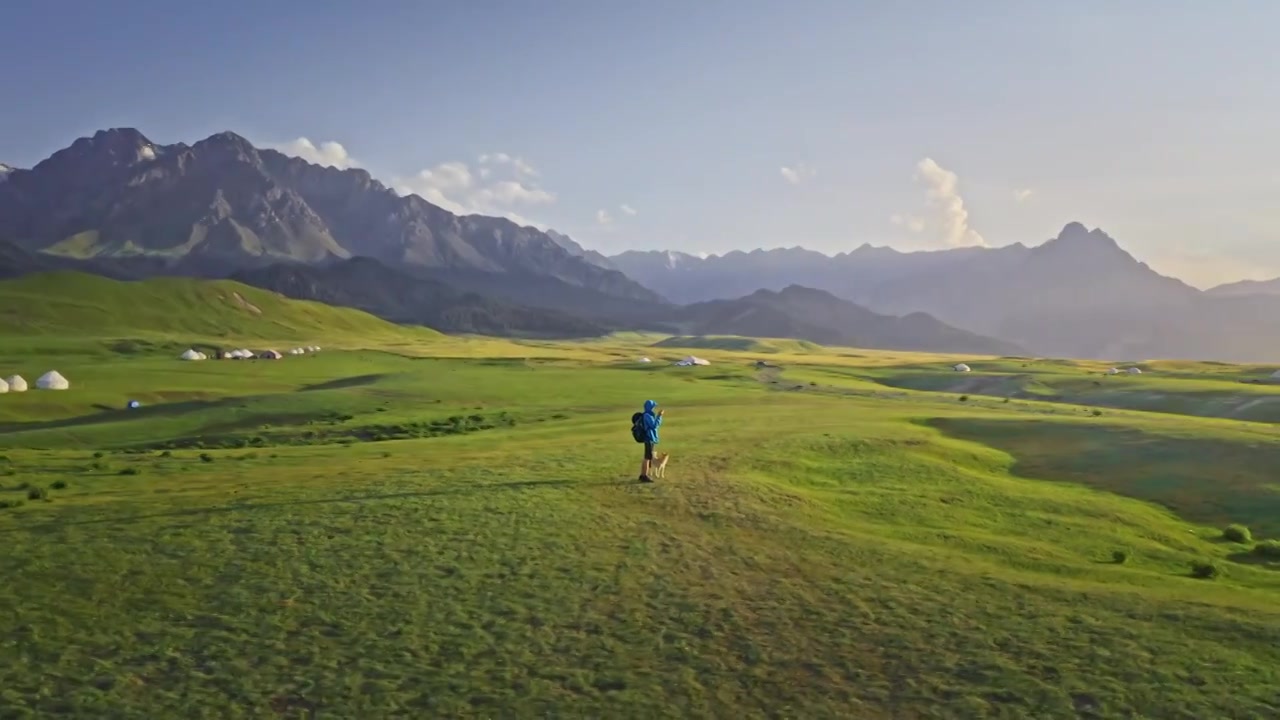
[{"x": 451, "y": 527}]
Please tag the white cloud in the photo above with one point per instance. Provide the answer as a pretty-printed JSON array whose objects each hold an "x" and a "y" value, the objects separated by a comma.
[
  {"x": 910, "y": 222},
  {"x": 796, "y": 175},
  {"x": 329, "y": 153},
  {"x": 518, "y": 165},
  {"x": 500, "y": 185},
  {"x": 603, "y": 217},
  {"x": 949, "y": 215},
  {"x": 1022, "y": 194},
  {"x": 627, "y": 209}
]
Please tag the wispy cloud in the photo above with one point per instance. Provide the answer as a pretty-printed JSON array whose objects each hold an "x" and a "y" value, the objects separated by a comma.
[
  {"x": 797, "y": 174},
  {"x": 627, "y": 209},
  {"x": 1022, "y": 194},
  {"x": 910, "y": 222},
  {"x": 500, "y": 185},
  {"x": 947, "y": 214},
  {"x": 328, "y": 153},
  {"x": 603, "y": 217}
]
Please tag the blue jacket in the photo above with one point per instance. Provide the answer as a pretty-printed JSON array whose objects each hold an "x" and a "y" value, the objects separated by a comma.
[{"x": 652, "y": 421}]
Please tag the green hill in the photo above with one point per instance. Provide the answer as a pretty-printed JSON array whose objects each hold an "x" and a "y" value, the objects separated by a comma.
[
  {"x": 72, "y": 304},
  {"x": 738, "y": 344}
]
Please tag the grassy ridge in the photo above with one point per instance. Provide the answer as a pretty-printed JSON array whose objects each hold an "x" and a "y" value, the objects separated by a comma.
[
  {"x": 451, "y": 528},
  {"x": 64, "y": 304}
]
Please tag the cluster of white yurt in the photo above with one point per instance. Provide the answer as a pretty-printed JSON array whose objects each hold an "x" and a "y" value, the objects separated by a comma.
[
  {"x": 52, "y": 380},
  {"x": 193, "y": 354},
  {"x": 246, "y": 354},
  {"x": 691, "y": 360}
]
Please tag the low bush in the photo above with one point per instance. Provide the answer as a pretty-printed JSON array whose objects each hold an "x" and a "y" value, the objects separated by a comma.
[
  {"x": 1120, "y": 557},
  {"x": 37, "y": 493},
  {"x": 1269, "y": 549},
  {"x": 6, "y": 504},
  {"x": 1237, "y": 534},
  {"x": 130, "y": 471},
  {"x": 58, "y": 485},
  {"x": 1205, "y": 570}
]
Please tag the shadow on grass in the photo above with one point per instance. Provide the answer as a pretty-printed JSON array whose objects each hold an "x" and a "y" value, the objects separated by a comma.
[
  {"x": 344, "y": 383},
  {"x": 1212, "y": 481},
  {"x": 110, "y": 414},
  {"x": 1256, "y": 560},
  {"x": 452, "y": 491}
]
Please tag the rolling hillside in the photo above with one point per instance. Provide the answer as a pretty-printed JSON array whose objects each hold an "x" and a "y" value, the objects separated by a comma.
[{"x": 75, "y": 304}]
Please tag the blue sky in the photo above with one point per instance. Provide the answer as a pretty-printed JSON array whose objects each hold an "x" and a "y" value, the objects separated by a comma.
[{"x": 918, "y": 125}]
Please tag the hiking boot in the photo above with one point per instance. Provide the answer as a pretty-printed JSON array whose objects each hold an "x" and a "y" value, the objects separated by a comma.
[{"x": 645, "y": 478}]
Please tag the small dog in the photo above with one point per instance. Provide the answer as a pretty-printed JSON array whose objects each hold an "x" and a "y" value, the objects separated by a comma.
[{"x": 660, "y": 465}]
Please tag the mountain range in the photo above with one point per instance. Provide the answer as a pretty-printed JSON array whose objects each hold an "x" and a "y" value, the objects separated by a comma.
[
  {"x": 118, "y": 205},
  {"x": 1077, "y": 295}
]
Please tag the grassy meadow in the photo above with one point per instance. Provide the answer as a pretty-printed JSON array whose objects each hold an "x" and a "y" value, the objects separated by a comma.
[{"x": 413, "y": 525}]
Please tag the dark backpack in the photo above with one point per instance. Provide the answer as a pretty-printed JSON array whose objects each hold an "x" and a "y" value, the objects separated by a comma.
[{"x": 638, "y": 431}]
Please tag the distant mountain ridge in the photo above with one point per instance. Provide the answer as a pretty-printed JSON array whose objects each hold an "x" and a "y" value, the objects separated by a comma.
[
  {"x": 807, "y": 314},
  {"x": 1246, "y": 287},
  {"x": 1077, "y": 295}
]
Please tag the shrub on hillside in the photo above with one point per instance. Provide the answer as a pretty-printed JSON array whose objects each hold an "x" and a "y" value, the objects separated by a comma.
[
  {"x": 1268, "y": 549},
  {"x": 206, "y": 458},
  {"x": 58, "y": 485},
  {"x": 1205, "y": 570},
  {"x": 1237, "y": 534},
  {"x": 130, "y": 471},
  {"x": 37, "y": 493},
  {"x": 6, "y": 504},
  {"x": 1120, "y": 557},
  {"x": 964, "y": 398}
]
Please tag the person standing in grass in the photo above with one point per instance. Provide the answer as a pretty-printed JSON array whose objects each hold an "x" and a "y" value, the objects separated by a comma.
[{"x": 644, "y": 429}]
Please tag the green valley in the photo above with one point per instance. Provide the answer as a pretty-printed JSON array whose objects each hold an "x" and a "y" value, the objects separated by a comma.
[{"x": 407, "y": 524}]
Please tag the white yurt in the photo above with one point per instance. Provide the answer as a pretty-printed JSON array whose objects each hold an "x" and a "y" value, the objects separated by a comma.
[
  {"x": 691, "y": 360},
  {"x": 1275, "y": 375},
  {"x": 191, "y": 354},
  {"x": 1113, "y": 371},
  {"x": 645, "y": 360},
  {"x": 961, "y": 367},
  {"x": 297, "y": 351},
  {"x": 1134, "y": 371},
  {"x": 16, "y": 383},
  {"x": 53, "y": 380},
  {"x": 4, "y": 387}
]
